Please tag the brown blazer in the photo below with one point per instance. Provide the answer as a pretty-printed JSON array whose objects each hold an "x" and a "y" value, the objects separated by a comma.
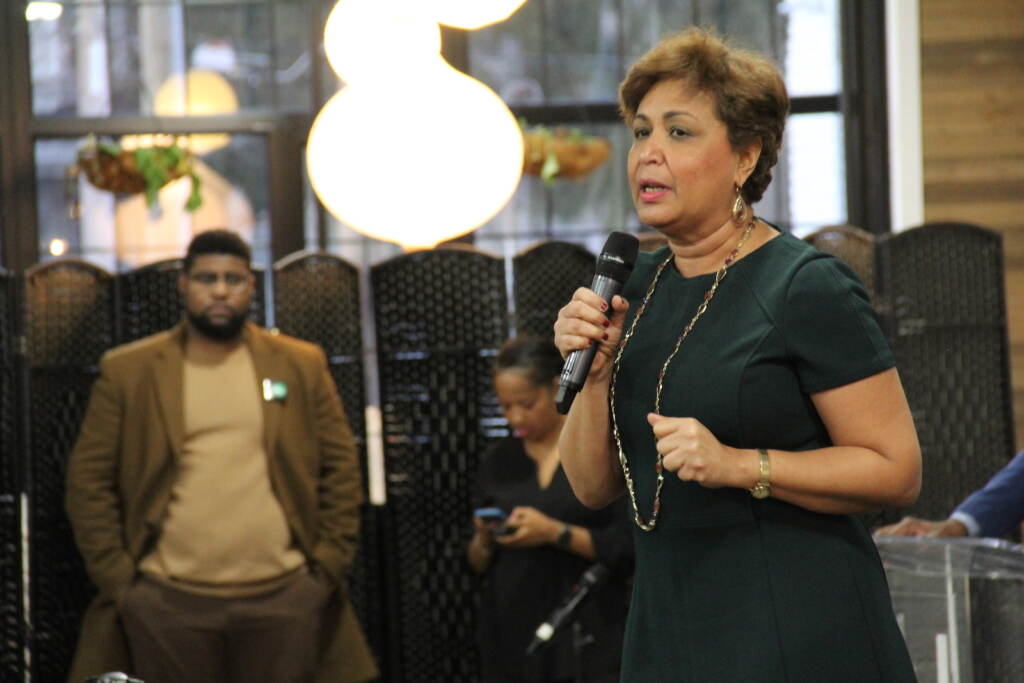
[{"x": 122, "y": 468}]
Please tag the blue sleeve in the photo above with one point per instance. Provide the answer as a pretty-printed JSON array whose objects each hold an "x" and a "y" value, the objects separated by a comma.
[{"x": 1000, "y": 504}]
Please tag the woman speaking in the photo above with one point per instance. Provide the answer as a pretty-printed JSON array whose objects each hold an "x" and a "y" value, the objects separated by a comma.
[{"x": 743, "y": 399}]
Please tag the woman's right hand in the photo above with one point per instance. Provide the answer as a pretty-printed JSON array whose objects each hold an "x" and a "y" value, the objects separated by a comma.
[{"x": 587, "y": 320}]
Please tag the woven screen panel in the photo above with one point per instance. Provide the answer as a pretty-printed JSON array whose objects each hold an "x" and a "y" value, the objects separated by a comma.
[
  {"x": 69, "y": 314},
  {"x": 12, "y": 631},
  {"x": 997, "y": 629},
  {"x": 11, "y": 417},
  {"x": 148, "y": 300},
  {"x": 317, "y": 298},
  {"x": 440, "y": 316},
  {"x": 70, "y": 323},
  {"x": 943, "y": 308},
  {"x": 439, "y": 299},
  {"x": 545, "y": 277},
  {"x": 853, "y": 246}
]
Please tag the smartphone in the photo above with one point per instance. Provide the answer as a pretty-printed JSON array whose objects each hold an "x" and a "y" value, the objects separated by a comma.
[{"x": 490, "y": 514}]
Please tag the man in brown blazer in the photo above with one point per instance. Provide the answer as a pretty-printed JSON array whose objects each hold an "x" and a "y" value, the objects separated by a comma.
[{"x": 214, "y": 494}]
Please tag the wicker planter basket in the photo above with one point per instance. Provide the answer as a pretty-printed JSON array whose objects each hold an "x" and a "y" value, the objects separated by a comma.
[
  {"x": 562, "y": 154},
  {"x": 142, "y": 170}
]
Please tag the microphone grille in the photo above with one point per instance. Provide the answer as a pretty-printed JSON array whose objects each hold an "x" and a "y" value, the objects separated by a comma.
[{"x": 622, "y": 245}]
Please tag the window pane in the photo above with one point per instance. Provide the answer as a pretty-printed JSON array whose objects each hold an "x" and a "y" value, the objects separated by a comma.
[
  {"x": 291, "y": 56},
  {"x": 581, "y": 210},
  {"x": 812, "y": 47},
  {"x": 119, "y": 231},
  {"x": 645, "y": 22},
  {"x": 815, "y": 155},
  {"x": 752, "y": 24},
  {"x": 233, "y": 40},
  {"x": 99, "y": 59},
  {"x": 508, "y": 57},
  {"x": 581, "y": 38},
  {"x": 69, "y": 63}
]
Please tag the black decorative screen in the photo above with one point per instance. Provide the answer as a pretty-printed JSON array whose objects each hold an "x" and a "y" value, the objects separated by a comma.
[
  {"x": 941, "y": 295},
  {"x": 852, "y": 245},
  {"x": 12, "y": 425},
  {"x": 545, "y": 278},
  {"x": 147, "y": 300},
  {"x": 439, "y": 317},
  {"x": 317, "y": 298},
  {"x": 69, "y": 322}
]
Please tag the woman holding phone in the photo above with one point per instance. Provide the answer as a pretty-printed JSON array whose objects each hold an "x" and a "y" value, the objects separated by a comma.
[{"x": 533, "y": 540}]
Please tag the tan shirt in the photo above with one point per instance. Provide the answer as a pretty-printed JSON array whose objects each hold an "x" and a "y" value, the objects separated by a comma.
[{"x": 224, "y": 529}]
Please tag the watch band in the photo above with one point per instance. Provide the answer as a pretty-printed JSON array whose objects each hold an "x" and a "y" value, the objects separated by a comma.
[
  {"x": 763, "y": 487},
  {"x": 564, "y": 539}
]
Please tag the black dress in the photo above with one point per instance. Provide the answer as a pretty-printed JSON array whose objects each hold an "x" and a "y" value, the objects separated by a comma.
[
  {"x": 523, "y": 586},
  {"x": 729, "y": 588}
]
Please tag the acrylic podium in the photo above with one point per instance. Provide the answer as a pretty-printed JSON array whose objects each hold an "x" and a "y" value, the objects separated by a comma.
[{"x": 960, "y": 605}]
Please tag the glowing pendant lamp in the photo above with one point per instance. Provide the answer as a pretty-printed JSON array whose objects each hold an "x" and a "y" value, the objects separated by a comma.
[
  {"x": 410, "y": 150},
  {"x": 197, "y": 93}
]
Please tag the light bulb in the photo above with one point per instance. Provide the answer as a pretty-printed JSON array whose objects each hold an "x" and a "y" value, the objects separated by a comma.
[
  {"x": 364, "y": 39},
  {"x": 418, "y": 162},
  {"x": 197, "y": 93}
]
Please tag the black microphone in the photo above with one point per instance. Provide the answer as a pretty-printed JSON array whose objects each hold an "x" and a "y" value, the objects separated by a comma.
[
  {"x": 614, "y": 264},
  {"x": 595, "y": 575}
]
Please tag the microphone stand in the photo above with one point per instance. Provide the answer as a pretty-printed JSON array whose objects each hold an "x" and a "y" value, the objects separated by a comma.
[
  {"x": 592, "y": 579},
  {"x": 580, "y": 640}
]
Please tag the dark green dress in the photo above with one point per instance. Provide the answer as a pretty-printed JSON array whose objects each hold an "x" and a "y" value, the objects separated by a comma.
[{"x": 728, "y": 588}]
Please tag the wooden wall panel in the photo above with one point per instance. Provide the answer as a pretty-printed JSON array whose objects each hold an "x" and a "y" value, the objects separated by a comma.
[{"x": 972, "y": 96}]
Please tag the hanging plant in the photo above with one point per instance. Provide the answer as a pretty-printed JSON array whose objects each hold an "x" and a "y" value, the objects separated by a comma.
[
  {"x": 143, "y": 169},
  {"x": 561, "y": 153}
]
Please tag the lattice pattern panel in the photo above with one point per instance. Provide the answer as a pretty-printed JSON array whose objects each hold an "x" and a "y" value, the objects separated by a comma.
[
  {"x": 439, "y": 317},
  {"x": 10, "y": 366},
  {"x": 70, "y": 323},
  {"x": 942, "y": 299},
  {"x": 853, "y": 246},
  {"x": 317, "y": 298},
  {"x": 545, "y": 278},
  {"x": 148, "y": 300},
  {"x": 12, "y": 631},
  {"x": 60, "y": 589},
  {"x": 433, "y": 442},
  {"x": 440, "y": 299},
  {"x": 997, "y": 629}
]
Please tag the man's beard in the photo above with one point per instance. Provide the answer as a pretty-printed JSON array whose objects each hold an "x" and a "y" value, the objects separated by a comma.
[{"x": 226, "y": 331}]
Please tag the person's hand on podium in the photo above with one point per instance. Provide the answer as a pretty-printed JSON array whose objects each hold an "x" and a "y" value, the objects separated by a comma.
[{"x": 926, "y": 528}]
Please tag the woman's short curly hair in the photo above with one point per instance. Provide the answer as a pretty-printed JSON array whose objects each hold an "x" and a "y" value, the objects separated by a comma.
[{"x": 749, "y": 93}]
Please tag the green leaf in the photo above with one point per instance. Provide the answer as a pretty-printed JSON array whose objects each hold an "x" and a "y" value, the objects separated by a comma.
[
  {"x": 194, "y": 198},
  {"x": 550, "y": 169}
]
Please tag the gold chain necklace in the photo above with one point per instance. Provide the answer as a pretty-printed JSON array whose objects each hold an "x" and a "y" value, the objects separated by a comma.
[{"x": 658, "y": 468}]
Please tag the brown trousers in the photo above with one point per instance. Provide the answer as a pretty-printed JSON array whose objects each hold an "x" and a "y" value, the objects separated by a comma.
[{"x": 178, "y": 637}]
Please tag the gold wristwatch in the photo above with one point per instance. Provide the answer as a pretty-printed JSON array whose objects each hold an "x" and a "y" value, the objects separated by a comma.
[{"x": 763, "y": 487}]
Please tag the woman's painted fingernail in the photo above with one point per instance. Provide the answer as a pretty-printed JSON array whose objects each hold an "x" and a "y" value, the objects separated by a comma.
[
  {"x": 606, "y": 322},
  {"x": 604, "y": 305},
  {"x": 605, "y": 337}
]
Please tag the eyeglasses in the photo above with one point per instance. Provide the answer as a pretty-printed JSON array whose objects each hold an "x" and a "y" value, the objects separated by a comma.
[{"x": 235, "y": 281}]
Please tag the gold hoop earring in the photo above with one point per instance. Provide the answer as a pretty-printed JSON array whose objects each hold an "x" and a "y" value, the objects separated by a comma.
[{"x": 738, "y": 207}]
